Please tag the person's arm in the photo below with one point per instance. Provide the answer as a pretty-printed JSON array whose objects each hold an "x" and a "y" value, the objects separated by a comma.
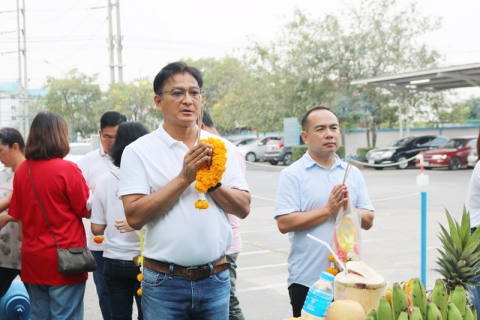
[
  {"x": 98, "y": 229},
  {"x": 122, "y": 226},
  {"x": 297, "y": 221},
  {"x": 140, "y": 209},
  {"x": 234, "y": 201},
  {"x": 4, "y": 219},
  {"x": 5, "y": 202},
  {"x": 367, "y": 218}
]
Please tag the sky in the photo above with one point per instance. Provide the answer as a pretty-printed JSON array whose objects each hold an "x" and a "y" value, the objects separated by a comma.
[{"x": 67, "y": 34}]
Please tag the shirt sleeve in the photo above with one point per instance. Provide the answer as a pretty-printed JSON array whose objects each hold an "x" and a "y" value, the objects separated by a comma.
[
  {"x": 233, "y": 176},
  {"x": 77, "y": 192},
  {"x": 98, "y": 200},
  {"x": 288, "y": 194},
  {"x": 363, "y": 200},
  {"x": 473, "y": 195},
  {"x": 134, "y": 175}
]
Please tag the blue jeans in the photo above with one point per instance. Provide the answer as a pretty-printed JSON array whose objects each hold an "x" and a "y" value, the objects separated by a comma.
[
  {"x": 101, "y": 286},
  {"x": 56, "y": 302},
  {"x": 235, "y": 312},
  {"x": 476, "y": 295},
  {"x": 166, "y": 296},
  {"x": 122, "y": 284}
]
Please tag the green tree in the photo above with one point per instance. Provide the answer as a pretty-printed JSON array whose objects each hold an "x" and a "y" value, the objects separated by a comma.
[
  {"x": 74, "y": 98},
  {"x": 134, "y": 100},
  {"x": 316, "y": 59}
]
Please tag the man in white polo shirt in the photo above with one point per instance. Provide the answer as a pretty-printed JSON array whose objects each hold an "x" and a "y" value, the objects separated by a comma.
[
  {"x": 93, "y": 165},
  {"x": 185, "y": 270}
]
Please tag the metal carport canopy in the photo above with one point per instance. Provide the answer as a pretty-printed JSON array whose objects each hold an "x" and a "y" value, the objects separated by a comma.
[{"x": 429, "y": 80}]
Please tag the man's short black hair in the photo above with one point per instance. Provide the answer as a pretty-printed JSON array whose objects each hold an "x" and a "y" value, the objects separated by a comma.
[
  {"x": 111, "y": 119},
  {"x": 207, "y": 120},
  {"x": 305, "y": 116},
  {"x": 172, "y": 69},
  {"x": 127, "y": 133}
]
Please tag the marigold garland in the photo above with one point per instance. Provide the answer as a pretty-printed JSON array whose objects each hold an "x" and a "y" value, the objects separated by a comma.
[{"x": 210, "y": 177}]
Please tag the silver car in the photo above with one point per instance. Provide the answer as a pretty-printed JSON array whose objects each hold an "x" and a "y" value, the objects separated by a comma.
[{"x": 255, "y": 149}]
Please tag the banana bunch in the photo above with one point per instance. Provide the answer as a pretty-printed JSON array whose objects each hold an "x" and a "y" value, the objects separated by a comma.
[{"x": 409, "y": 302}]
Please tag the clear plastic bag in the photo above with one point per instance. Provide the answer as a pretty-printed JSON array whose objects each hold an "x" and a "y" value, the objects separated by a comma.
[{"x": 347, "y": 242}]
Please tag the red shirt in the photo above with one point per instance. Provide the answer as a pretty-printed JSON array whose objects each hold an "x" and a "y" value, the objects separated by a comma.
[{"x": 63, "y": 193}]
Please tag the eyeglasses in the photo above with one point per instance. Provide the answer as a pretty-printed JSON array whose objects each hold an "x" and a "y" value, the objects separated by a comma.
[
  {"x": 111, "y": 140},
  {"x": 180, "y": 94}
]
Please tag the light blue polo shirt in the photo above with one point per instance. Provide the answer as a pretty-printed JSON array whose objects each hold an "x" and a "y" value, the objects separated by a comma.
[{"x": 304, "y": 186}]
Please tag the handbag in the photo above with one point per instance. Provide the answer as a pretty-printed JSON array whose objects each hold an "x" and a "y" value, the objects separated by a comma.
[{"x": 71, "y": 260}]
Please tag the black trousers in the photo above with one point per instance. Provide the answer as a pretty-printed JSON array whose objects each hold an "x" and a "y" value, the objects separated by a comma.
[
  {"x": 298, "y": 294},
  {"x": 6, "y": 278}
]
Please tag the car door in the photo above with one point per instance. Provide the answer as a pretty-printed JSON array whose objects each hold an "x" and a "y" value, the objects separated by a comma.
[
  {"x": 419, "y": 144},
  {"x": 465, "y": 150}
]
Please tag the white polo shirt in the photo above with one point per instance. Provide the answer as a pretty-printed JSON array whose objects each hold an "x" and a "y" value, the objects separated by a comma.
[
  {"x": 94, "y": 165},
  {"x": 106, "y": 208},
  {"x": 184, "y": 235}
]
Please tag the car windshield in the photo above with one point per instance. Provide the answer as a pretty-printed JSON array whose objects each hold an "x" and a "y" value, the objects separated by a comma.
[
  {"x": 437, "y": 141},
  {"x": 402, "y": 142},
  {"x": 453, "y": 143}
]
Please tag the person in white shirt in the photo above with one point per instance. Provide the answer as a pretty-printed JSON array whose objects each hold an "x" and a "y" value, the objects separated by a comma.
[
  {"x": 185, "y": 271},
  {"x": 473, "y": 206},
  {"x": 93, "y": 165},
  {"x": 235, "y": 312},
  {"x": 121, "y": 242}
]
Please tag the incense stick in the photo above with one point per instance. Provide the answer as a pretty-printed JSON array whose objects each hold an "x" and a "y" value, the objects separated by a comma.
[
  {"x": 200, "y": 123},
  {"x": 347, "y": 170}
]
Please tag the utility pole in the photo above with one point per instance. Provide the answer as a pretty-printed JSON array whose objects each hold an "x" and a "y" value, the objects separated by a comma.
[
  {"x": 119, "y": 43},
  {"x": 110, "y": 42},
  {"x": 23, "y": 98}
]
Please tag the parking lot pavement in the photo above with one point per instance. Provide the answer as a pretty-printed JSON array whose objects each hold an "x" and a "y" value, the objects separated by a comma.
[{"x": 391, "y": 247}]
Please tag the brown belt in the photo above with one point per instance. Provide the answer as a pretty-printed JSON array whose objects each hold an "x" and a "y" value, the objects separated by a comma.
[{"x": 191, "y": 273}]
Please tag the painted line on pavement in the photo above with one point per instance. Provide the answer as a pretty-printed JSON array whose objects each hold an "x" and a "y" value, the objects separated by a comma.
[
  {"x": 397, "y": 197},
  {"x": 263, "y": 267},
  {"x": 254, "y": 252},
  {"x": 265, "y": 287},
  {"x": 262, "y": 198}
]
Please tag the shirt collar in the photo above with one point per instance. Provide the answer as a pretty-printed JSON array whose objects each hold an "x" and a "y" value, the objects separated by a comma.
[
  {"x": 309, "y": 162},
  {"x": 103, "y": 153},
  {"x": 166, "y": 137}
]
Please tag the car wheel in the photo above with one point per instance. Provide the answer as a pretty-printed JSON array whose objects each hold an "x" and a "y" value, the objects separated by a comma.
[
  {"x": 403, "y": 163},
  {"x": 250, "y": 157},
  {"x": 455, "y": 163},
  {"x": 273, "y": 162},
  {"x": 427, "y": 168},
  {"x": 287, "y": 159}
]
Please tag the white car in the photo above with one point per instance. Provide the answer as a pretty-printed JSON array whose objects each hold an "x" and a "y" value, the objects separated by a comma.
[
  {"x": 472, "y": 158},
  {"x": 78, "y": 150},
  {"x": 255, "y": 149}
]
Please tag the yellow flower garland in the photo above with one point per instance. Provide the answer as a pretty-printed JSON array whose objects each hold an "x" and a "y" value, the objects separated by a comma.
[{"x": 210, "y": 177}]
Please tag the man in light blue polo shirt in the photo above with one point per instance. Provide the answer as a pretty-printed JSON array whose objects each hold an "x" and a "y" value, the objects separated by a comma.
[{"x": 309, "y": 196}]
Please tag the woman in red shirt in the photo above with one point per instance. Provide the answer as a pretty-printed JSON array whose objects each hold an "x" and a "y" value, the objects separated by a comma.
[{"x": 63, "y": 193}]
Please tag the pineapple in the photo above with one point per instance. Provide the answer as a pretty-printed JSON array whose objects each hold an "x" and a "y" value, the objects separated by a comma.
[{"x": 459, "y": 261}]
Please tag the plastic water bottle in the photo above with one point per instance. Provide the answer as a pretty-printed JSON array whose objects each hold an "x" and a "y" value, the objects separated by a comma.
[
  {"x": 15, "y": 304},
  {"x": 319, "y": 297}
]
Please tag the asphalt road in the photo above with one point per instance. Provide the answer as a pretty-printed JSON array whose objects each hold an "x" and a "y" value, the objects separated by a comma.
[{"x": 391, "y": 247}]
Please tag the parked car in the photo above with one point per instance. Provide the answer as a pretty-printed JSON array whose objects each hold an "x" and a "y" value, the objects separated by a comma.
[
  {"x": 242, "y": 141},
  {"x": 472, "y": 157},
  {"x": 255, "y": 149},
  {"x": 402, "y": 150},
  {"x": 276, "y": 151},
  {"x": 77, "y": 151},
  {"x": 452, "y": 153}
]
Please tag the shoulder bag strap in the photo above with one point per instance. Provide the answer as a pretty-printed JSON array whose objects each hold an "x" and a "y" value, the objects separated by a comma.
[{"x": 40, "y": 204}]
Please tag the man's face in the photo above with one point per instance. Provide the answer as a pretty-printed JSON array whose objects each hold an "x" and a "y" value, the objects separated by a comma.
[
  {"x": 107, "y": 137},
  {"x": 181, "y": 101},
  {"x": 322, "y": 135}
]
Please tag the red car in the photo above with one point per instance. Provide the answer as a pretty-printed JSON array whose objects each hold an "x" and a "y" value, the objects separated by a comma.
[{"x": 452, "y": 153}]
